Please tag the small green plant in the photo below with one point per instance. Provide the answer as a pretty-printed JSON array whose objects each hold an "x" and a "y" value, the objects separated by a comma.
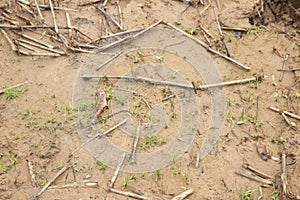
[
  {"x": 158, "y": 173},
  {"x": 135, "y": 58},
  {"x": 230, "y": 117},
  {"x": 275, "y": 195},
  {"x": 281, "y": 139},
  {"x": 260, "y": 191},
  {"x": 255, "y": 31},
  {"x": 293, "y": 124},
  {"x": 44, "y": 182},
  {"x": 3, "y": 169},
  {"x": 185, "y": 177},
  {"x": 247, "y": 195},
  {"x": 108, "y": 92},
  {"x": 192, "y": 30},
  {"x": 160, "y": 58},
  {"x": 127, "y": 180},
  {"x": 14, "y": 92},
  {"x": 175, "y": 171},
  {"x": 151, "y": 141},
  {"x": 101, "y": 164},
  {"x": 13, "y": 159},
  {"x": 81, "y": 107},
  {"x": 41, "y": 65}
]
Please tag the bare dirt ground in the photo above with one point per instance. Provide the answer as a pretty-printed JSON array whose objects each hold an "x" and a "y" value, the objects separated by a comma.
[{"x": 38, "y": 125}]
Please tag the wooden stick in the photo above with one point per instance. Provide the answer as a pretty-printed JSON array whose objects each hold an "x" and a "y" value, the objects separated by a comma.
[
  {"x": 168, "y": 97},
  {"x": 38, "y": 10},
  {"x": 109, "y": 60},
  {"x": 161, "y": 82},
  {"x": 85, "y": 35},
  {"x": 285, "y": 112},
  {"x": 289, "y": 70},
  {"x": 27, "y": 20},
  {"x": 42, "y": 47},
  {"x": 130, "y": 37},
  {"x": 207, "y": 47},
  {"x": 25, "y": 7},
  {"x": 118, "y": 34},
  {"x": 234, "y": 28},
  {"x": 120, "y": 14},
  {"x": 135, "y": 142},
  {"x": 46, "y": 6},
  {"x": 32, "y": 175},
  {"x": 14, "y": 86},
  {"x": 53, "y": 16},
  {"x": 104, "y": 3},
  {"x": 37, "y": 41},
  {"x": 90, "y": 3},
  {"x": 255, "y": 178},
  {"x": 183, "y": 195},
  {"x": 129, "y": 194},
  {"x": 69, "y": 25},
  {"x": 256, "y": 171},
  {"x": 25, "y": 46},
  {"x": 30, "y": 27},
  {"x": 206, "y": 7},
  {"x": 283, "y": 67},
  {"x": 12, "y": 45},
  {"x": 58, "y": 8},
  {"x": 220, "y": 32},
  {"x": 52, "y": 180},
  {"x": 288, "y": 122},
  {"x": 38, "y": 53},
  {"x": 99, "y": 135},
  {"x": 148, "y": 28},
  {"x": 283, "y": 175},
  {"x": 111, "y": 18},
  {"x": 206, "y": 31},
  {"x": 114, "y": 178},
  {"x": 72, "y": 185}
]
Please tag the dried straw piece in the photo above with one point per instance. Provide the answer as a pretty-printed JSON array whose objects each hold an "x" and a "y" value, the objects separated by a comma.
[
  {"x": 183, "y": 195},
  {"x": 39, "y": 10},
  {"x": 207, "y": 47},
  {"x": 129, "y": 194},
  {"x": 12, "y": 45},
  {"x": 53, "y": 16}
]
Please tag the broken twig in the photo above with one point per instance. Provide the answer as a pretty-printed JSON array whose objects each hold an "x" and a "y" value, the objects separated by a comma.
[
  {"x": 110, "y": 17},
  {"x": 135, "y": 142},
  {"x": 53, "y": 16},
  {"x": 31, "y": 171},
  {"x": 12, "y": 45},
  {"x": 114, "y": 178},
  {"x": 285, "y": 112},
  {"x": 207, "y": 47},
  {"x": 129, "y": 194},
  {"x": 109, "y": 60},
  {"x": 52, "y": 180},
  {"x": 283, "y": 67},
  {"x": 161, "y": 82},
  {"x": 99, "y": 135},
  {"x": 183, "y": 195}
]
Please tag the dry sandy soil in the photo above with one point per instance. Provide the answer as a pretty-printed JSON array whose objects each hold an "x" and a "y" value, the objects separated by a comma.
[{"x": 38, "y": 122}]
